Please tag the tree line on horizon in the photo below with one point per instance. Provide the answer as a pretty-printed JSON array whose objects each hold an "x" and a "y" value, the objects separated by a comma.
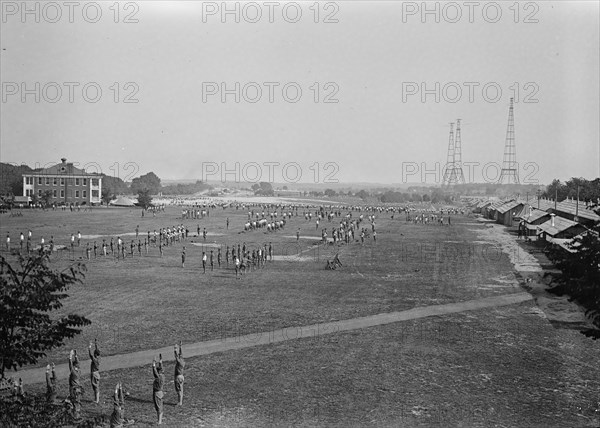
[{"x": 11, "y": 184}]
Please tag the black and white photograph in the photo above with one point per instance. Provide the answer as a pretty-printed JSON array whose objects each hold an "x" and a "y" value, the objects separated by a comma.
[{"x": 302, "y": 214}]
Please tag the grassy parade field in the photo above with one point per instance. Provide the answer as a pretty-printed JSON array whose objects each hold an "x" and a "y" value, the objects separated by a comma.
[{"x": 503, "y": 366}]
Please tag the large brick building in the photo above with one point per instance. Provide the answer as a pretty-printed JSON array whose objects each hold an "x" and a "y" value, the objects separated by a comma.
[{"x": 68, "y": 184}]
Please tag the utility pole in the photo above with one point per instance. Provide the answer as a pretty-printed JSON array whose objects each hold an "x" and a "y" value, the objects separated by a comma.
[{"x": 577, "y": 206}]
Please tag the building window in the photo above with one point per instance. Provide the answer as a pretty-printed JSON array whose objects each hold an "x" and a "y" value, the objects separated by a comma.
[
  {"x": 94, "y": 181},
  {"x": 85, "y": 181},
  {"x": 54, "y": 181},
  {"x": 85, "y": 193},
  {"x": 39, "y": 192},
  {"x": 62, "y": 181},
  {"x": 47, "y": 181},
  {"x": 77, "y": 182},
  {"x": 62, "y": 193},
  {"x": 76, "y": 193},
  {"x": 54, "y": 193},
  {"x": 94, "y": 193},
  {"x": 39, "y": 180}
]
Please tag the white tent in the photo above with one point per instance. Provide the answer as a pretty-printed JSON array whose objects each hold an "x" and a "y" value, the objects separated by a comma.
[{"x": 122, "y": 201}]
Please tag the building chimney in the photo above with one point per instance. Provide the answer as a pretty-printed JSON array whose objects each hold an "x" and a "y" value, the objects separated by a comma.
[
  {"x": 64, "y": 160},
  {"x": 552, "y": 219}
]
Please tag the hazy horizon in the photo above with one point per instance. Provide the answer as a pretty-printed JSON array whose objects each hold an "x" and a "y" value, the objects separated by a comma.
[{"x": 174, "y": 60}]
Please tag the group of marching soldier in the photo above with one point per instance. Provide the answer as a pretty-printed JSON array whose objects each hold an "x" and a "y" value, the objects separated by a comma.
[{"x": 117, "y": 419}]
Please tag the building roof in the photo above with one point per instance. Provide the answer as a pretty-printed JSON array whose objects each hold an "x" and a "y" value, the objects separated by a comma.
[
  {"x": 560, "y": 225},
  {"x": 511, "y": 205},
  {"x": 483, "y": 204},
  {"x": 570, "y": 207},
  {"x": 544, "y": 204},
  {"x": 535, "y": 215},
  {"x": 497, "y": 204},
  {"x": 64, "y": 168}
]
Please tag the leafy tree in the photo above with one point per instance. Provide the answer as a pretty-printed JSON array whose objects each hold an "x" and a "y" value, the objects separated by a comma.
[
  {"x": 29, "y": 293},
  {"x": 149, "y": 182},
  {"x": 581, "y": 272},
  {"x": 107, "y": 196},
  {"x": 330, "y": 193},
  {"x": 265, "y": 189},
  {"x": 362, "y": 194},
  {"x": 588, "y": 190},
  {"x": 186, "y": 189},
  {"x": 556, "y": 190},
  {"x": 46, "y": 197},
  {"x": 144, "y": 198},
  {"x": 114, "y": 186}
]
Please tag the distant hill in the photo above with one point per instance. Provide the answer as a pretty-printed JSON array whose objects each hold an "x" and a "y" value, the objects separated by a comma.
[{"x": 11, "y": 178}]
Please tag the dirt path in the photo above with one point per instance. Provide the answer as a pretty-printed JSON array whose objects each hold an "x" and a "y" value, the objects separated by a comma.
[
  {"x": 556, "y": 309},
  {"x": 140, "y": 358}
]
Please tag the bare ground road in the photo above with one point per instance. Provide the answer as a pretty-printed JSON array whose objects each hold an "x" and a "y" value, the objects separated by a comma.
[{"x": 141, "y": 358}]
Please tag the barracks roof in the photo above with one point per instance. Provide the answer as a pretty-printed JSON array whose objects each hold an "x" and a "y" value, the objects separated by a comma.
[
  {"x": 509, "y": 206},
  {"x": 560, "y": 225}
]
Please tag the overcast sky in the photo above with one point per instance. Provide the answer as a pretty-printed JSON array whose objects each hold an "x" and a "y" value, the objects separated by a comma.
[{"x": 374, "y": 59}]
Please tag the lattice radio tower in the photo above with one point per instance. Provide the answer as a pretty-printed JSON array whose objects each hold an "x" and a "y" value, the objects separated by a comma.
[
  {"x": 509, "y": 163},
  {"x": 454, "y": 173},
  {"x": 457, "y": 174},
  {"x": 450, "y": 159}
]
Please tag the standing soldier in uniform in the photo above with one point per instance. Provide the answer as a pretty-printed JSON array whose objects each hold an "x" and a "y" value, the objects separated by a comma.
[
  {"x": 50, "y": 385},
  {"x": 75, "y": 388},
  {"x": 116, "y": 418},
  {"x": 179, "y": 379},
  {"x": 237, "y": 266},
  {"x": 183, "y": 257},
  {"x": 95, "y": 370},
  {"x": 157, "y": 387}
]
